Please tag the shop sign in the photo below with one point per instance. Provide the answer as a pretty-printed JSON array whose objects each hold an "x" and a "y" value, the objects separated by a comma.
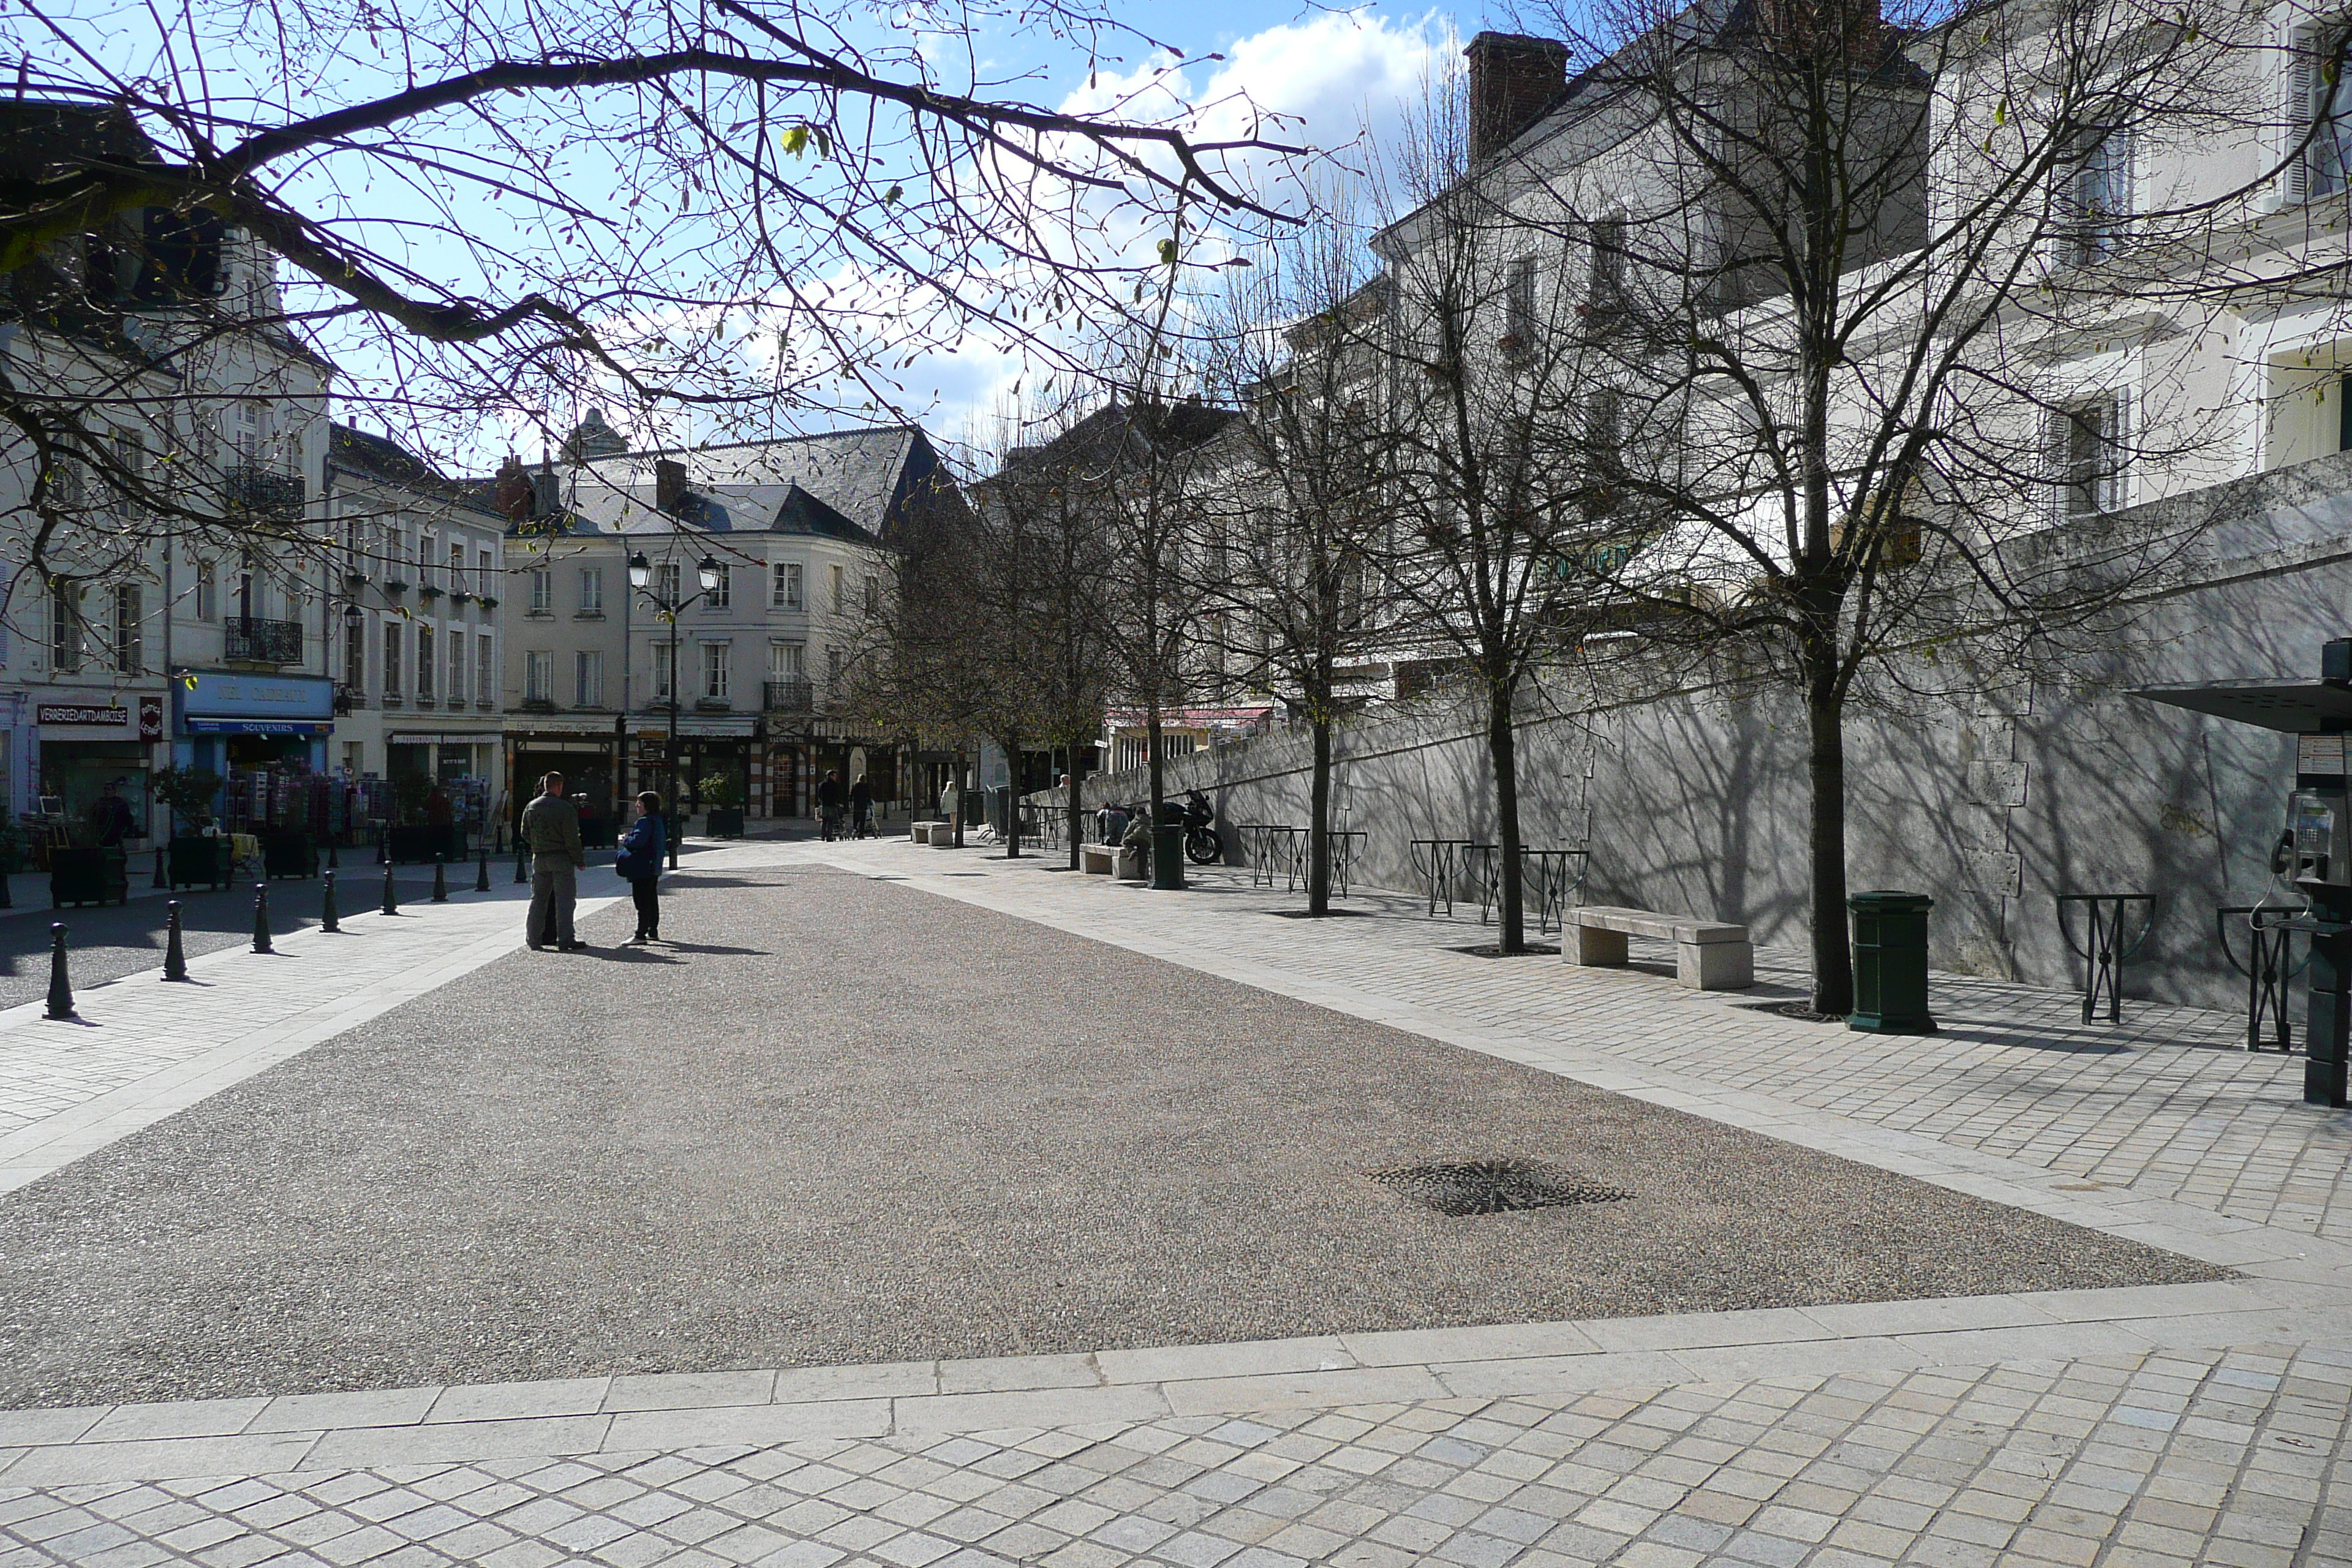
[
  {"x": 281, "y": 699},
  {"x": 115, "y": 718},
  {"x": 150, "y": 717}
]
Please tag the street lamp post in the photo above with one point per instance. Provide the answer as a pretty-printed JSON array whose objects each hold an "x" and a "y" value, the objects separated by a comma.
[{"x": 641, "y": 578}]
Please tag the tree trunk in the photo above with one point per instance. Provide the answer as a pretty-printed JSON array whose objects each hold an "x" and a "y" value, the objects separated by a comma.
[
  {"x": 1012, "y": 744},
  {"x": 1078, "y": 814},
  {"x": 962, "y": 810},
  {"x": 1502, "y": 747},
  {"x": 1832, "y": 958},
  {"x": 1318, "y": 822},
  {"x": 1156, "y": 771}
]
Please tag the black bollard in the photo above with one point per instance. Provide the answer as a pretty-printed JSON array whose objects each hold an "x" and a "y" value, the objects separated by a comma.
[
  {"x": 6, "y": 901},
  {"x": 522, "y": 861},
  {"x": 175, "y": 956},
  {"x": 60, "y": 988},
  {"x": 328, "y": 920},
  {"x": 261, "y": 918},
  {"x": 440, "y": 879},
  {"x": 163, "y": 877},
  {"x": 391, "y": 904},
  {"x": 482, "y": 874}
]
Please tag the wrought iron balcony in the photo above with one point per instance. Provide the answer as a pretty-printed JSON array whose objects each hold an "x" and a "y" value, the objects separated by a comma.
[
  {"x": 348, "y": 699},
  {"x": 794, "y": 694},
  {"x": 251, "y": 640},
  {"x": 264, "y": 492}
]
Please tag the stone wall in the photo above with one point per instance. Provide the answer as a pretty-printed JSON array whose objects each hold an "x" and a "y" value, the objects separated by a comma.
[{"x": 1992, "y": 803}]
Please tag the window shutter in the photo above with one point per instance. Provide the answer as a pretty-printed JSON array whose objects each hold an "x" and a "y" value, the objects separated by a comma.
[
  {"x": 2114, "y": 495},
  {"x": 2057, "y": 444},
  {"x": 2298, "y": 88}
]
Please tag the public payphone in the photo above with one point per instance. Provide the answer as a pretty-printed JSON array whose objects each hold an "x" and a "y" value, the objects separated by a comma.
[{"x": 2316, "y": 852}]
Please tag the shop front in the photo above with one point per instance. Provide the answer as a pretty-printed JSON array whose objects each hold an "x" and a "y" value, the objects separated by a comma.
[
  {"x": 586, "y": 752},
  {"x": 444, "y": 789},
  {"x": 90, "y": 748},
  {"x": 266, "y": 736},
  {"x": 708, "y": 746}
]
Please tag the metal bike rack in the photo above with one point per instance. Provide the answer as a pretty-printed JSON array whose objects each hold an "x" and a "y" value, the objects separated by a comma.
[
  {"x": 2102, "y": 948},
  {"x": 2269, "y": 966}
]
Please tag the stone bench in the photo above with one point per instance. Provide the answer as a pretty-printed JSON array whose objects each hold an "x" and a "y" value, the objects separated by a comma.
[
  {"x": 1110, "y": 860},
  {"x": 920, "y": 832},
  {"x": 1709, "y": 955}
]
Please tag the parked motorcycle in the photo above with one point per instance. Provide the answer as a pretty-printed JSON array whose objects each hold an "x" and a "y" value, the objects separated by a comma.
[{"x": 1204, "y": 845}]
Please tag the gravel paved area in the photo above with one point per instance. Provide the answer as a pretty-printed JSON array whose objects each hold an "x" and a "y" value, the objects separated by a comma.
[{"x": 844, "y": 1121}]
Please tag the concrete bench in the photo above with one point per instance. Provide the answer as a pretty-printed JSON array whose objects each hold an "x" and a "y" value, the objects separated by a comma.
[
  {"x": 920, "y": 832},
  {"x": 1098, "y": 860},
  {"x": 1709, "y": 955}
]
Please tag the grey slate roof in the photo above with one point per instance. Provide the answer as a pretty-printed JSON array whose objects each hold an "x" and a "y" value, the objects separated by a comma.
[{"x": 856, "y": 484}]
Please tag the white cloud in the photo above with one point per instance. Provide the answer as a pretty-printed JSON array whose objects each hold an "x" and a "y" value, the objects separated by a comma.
[{"x": 1341, "y": 82}]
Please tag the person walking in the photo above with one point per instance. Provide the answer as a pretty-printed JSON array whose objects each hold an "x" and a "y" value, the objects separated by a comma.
[
  {"x": 861, "y": 806},
  {"x": 640, "y": 863},
  {"x": 828, "y": 804},
  {"x": 551, "y": 830}
]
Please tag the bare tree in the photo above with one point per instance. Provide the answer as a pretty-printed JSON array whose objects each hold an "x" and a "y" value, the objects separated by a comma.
[
  {"x": 743, "y": 212},
  {"x": 1853, "y": 274},
  {"x": 1485, "y": 498},
  {"x": 1291, "y": 499}
]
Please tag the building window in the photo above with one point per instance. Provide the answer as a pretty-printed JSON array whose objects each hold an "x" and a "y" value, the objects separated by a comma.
[
  {"x": 722, "y": 593},
  {"x": 457, "y": 687},
  {"x": 65, "y": 630},
  {"x": 457, "y": 568},
  {"x": 207, "y": 592},
  {"x": 427, "y": 577},
  {"x": 874, "y": 596},
  {"x": 588, "y": 679},
  {"x": 130, "y": 657},
  {"x": 832, "y": 667},
  {"x": 1519, "y": 309},
  {"x": 356, "y": 656},
  {"x": 592, "y": 590},
  {"x": 425, "y": 664},
  {"x": 392, "y": 635},
  {"x": 543, "y": 591},
  {"x": 538, "y": 676},
  {"x": 665, "y": 662},
  {"x": 785, "y": 589},
  {"x": 1608, "y": 294},
  {"x": 486, "y": 578},
  {"x": 2088, "y": 456},
  {"x": 714, "y": 671},
  {"x": 786, "y": 660},
  {"x": 2099, "y": 197},
  {"x": 2319, "y": 104},
  {"x": 485, "y": 666},
  {"x": 840, "y": 601},
  {"x": 665, "y": 580}
]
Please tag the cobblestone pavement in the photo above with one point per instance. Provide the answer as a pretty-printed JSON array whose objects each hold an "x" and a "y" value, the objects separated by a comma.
[{"x": 2177, "y": 1424}]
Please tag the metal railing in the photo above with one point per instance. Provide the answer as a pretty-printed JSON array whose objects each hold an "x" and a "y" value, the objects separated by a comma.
[
  {"x": 256, "y": 641},
  {"x": 794, "y": 694},
  {"x": 264, "y": 492}
]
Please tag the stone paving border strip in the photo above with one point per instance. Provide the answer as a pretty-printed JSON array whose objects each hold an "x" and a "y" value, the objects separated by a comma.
[
  {"x": 213, "y": 1021},
  {"x": 370, "y": 1429}
]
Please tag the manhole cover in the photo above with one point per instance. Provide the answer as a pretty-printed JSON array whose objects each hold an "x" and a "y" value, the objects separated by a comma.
[
  {"x": 1309, "y": 914},
  {"x": 1492, "y": 1186},
  {"x": 1494, "y": 950},
  {"x": 1801, "y": 1011}
]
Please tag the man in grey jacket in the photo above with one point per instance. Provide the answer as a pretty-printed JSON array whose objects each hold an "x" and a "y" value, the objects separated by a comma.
[{"x": 551, "y": 827}]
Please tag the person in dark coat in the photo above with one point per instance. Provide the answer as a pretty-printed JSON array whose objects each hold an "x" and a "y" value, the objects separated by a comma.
[
  {"x": 861, "y": 806},
  {"x": 828, "y": 802},
  {"x": 640, "y": 861}
]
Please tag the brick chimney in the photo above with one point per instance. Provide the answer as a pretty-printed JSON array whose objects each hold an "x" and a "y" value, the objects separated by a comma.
[
  {"x": 669, "y": 484},
  {"x": 511, "y": 493},
  {"x": 1513, "y": 78}
]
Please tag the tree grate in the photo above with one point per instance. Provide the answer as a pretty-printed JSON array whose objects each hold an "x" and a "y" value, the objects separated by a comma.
[{"x": 1496, "y": 1187}]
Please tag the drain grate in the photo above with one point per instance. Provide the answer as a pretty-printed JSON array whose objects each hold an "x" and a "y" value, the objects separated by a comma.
[{"x": 1495, "y": 1186}]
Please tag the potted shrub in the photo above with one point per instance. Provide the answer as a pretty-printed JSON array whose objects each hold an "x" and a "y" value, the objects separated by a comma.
[
  {"x": 724, "y": 806},
  {"x": 194, "y": 856}
]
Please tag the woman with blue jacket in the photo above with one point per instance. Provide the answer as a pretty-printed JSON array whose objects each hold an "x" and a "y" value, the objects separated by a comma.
[{"x": 640, "y": 861}]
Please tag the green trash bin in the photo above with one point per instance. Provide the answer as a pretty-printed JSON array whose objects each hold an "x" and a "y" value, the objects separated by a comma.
[{"x": 1890, "y": 963}]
